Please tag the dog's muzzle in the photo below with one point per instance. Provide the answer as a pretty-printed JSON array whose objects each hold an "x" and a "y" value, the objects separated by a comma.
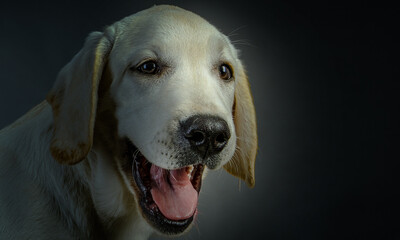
[{"x": 168, "y": 197}]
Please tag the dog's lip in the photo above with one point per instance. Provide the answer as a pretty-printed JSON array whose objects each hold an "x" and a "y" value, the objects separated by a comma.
[{"x": 150, "y": 210}]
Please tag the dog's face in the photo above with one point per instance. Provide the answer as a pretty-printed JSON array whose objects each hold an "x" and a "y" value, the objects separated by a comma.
[
  {"x": 173, "y": 78},
  {"x": 179, "y": 102}
]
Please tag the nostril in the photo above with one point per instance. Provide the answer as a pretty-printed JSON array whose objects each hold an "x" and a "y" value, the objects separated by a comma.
[
  {"x": 196, "y": 137},
  {"x": 221, "y": 139}
]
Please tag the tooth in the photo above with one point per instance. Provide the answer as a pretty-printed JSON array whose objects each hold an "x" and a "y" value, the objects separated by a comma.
[{"x": 190, "y": 169}]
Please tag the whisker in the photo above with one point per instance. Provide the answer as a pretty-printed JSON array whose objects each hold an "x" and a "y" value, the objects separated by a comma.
[
  {"x": 232, "y": 33},
  {"x": 135, "y": 153},
  {"x": 243, "y": 42},
  {"x": 172, "y": 176}
]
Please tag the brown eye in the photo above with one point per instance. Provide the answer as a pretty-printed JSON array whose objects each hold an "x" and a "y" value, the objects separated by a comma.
[
  {"x": 225, "y": 72},
  {"x": 149, "y": 67}
]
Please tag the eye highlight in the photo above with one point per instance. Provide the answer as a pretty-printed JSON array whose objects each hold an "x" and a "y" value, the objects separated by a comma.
[
  {"x": 149, "y": 67},
  {"x": 225, "y": 71}
]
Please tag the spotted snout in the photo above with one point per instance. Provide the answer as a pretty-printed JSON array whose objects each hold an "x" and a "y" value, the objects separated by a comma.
[{"x": 203, "y": 137}]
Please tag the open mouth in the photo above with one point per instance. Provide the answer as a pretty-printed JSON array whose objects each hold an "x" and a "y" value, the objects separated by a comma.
[{"x": 168, "y": 198}]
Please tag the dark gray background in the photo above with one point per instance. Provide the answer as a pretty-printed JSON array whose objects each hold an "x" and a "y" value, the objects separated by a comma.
[{"x": 326, "y": 89}]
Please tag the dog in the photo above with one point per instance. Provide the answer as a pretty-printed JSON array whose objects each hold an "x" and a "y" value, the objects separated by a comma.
[{"x": 119, "y": 147}]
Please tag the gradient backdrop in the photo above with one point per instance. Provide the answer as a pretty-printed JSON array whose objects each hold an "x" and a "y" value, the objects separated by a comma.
[{"x": 326, "y": 88}]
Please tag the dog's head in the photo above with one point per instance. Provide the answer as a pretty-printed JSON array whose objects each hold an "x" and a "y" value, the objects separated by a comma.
[{"x": 164, "y": 94}]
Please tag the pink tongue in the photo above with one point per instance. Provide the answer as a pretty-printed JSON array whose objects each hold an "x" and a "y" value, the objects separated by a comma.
[{"x": 173, "y": 192}]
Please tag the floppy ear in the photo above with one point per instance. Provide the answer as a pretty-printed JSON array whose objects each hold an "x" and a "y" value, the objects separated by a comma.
[
  {"x": 242, "y": 163},
  {"x": 73, "y": 99}
]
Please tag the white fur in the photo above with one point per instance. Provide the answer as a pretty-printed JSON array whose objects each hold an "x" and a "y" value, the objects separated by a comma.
[{"x": 43, "y": 199}]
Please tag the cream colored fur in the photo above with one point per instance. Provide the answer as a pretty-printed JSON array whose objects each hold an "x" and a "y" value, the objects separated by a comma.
[{"x": 59, "y": 177}]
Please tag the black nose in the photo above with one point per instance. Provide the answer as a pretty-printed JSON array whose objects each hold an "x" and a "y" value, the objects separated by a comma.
[{"x": 207, "y": 135}]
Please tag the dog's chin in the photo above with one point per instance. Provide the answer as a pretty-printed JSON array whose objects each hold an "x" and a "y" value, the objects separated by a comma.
[{"x": 167, "y": 198}]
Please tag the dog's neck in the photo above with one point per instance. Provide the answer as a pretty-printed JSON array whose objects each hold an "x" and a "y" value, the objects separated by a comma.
[
  {"x": 54, "y": 188},
  {"x": 66, "y": 192}
]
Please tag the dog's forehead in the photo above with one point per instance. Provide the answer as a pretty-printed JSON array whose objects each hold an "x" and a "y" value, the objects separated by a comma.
[
  {"x": 167, "y": 20},
  {"x": 168, "y": 27}
]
